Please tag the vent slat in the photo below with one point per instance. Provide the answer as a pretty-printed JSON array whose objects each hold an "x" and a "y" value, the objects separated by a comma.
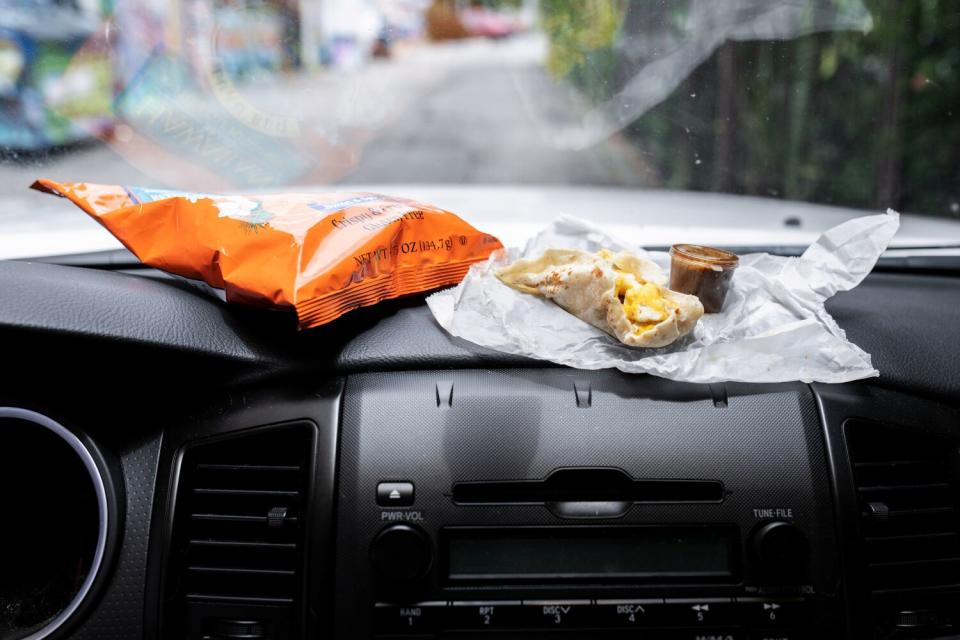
[
  {"x": 222, "y": 597},
  {"x": 910, "y": 537},
  {"x": 889, "y": 463},
  {"x": 247, "y": 467},
  {"x": 243, "y": 570},
  {"x": 946, "y": 587},
  {"x": 234, "y": 517},
  {"x": 209, "y": 491},
  {"x": 904, "y": 487},
  {"x": 910, "y": 513},
  {"x": 244, "y": 543},
  {"x": 225, "y": 517},
  {"x": 914, "y": 563}
]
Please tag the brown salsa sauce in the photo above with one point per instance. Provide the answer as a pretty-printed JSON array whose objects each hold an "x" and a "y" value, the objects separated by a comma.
[{"x": 704, "y": 272}]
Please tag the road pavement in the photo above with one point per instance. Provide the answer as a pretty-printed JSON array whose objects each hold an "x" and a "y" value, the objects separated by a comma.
[{"x": 471, "y": 112}]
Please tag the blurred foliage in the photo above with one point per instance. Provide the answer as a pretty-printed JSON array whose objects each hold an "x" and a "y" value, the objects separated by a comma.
[
  {"x": 846, "y": 118},
  {"x": 581, "y": 37}
]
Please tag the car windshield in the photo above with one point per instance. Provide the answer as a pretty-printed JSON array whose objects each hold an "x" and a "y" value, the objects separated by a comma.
[{"x": 851, "y": 103}]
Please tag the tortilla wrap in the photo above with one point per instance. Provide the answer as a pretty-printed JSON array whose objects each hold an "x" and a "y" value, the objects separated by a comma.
[{"x": 622, "y": 294}]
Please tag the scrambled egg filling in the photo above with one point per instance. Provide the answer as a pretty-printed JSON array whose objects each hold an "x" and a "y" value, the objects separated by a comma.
[{"x": 642, "y": 302}]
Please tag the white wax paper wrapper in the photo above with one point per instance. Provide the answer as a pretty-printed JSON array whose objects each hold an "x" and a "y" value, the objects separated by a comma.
[{"x": 773, "y": 328}]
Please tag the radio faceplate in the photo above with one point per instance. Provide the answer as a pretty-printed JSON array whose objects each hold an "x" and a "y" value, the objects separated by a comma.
[{"x": 593, "y": 549}]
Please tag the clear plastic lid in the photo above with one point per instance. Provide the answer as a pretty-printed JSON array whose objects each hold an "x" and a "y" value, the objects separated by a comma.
[{"x": 709, "y": 257}]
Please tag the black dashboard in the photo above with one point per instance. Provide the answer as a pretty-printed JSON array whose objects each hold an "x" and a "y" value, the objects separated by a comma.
[{"x": 174, "y": 467}]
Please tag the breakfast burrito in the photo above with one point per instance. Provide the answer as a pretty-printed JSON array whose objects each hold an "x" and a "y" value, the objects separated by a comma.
[{"x": 621, "y": 294}]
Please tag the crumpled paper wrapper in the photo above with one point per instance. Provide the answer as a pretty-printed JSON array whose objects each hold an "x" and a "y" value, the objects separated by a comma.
[{"x": 773, "y": 328}]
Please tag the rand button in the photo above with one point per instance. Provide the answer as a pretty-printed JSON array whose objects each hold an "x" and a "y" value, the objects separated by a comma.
[{"x": 408, "y": 618}]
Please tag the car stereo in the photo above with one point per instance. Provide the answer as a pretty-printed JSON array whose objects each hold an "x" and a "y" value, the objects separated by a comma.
[{"x": 567, "y": 504}]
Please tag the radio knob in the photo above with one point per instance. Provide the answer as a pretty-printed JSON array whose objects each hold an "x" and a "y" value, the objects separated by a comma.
[
  {"x": 780, "y": 550},
  {"x": 401, "y": 554}
]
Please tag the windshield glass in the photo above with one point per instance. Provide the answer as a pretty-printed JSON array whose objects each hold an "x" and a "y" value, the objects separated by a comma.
[{"x": 851, "y": 103}]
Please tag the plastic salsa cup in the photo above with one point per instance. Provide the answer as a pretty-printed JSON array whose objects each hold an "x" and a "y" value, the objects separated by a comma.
[{"x": 704, "y": 272}]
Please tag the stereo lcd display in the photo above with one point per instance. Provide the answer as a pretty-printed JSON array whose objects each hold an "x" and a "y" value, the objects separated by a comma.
[{"x": 581, "y": 553}]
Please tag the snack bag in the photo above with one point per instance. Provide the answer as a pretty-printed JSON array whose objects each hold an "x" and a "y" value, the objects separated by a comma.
[{"x": 323, "y": 254}]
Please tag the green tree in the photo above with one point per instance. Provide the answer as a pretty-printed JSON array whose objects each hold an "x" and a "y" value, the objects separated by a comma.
[{"x": 867, "y": 120}]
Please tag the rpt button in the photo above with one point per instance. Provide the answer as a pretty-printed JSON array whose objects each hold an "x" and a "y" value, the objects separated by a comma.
[{"x": 484, "y": 615}]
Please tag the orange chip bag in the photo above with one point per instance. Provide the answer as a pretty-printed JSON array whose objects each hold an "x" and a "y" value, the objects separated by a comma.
[{"x": 323, "y": 254}]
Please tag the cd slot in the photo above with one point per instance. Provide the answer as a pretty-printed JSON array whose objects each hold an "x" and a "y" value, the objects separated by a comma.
[{"x": 579, "y": 486}]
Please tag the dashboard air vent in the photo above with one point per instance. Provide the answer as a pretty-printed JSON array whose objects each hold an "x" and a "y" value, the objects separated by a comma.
[
  {"x": 908, "y": 494},
  {"x": 238, "y": 531}
]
